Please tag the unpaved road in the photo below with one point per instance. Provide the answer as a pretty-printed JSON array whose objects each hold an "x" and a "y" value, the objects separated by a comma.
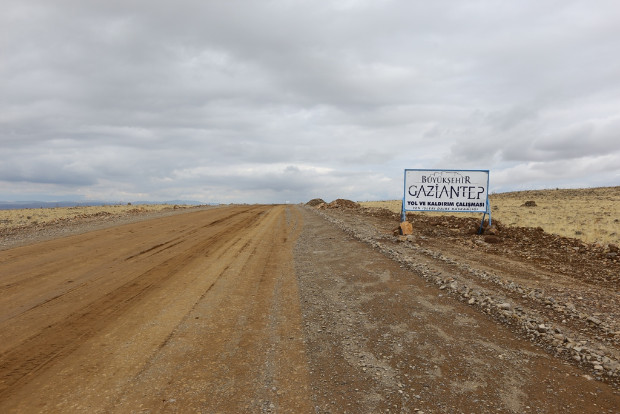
[{"x": 256, "y": 309}]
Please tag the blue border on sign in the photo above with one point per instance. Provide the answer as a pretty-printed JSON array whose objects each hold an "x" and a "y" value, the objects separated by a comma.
[{"x": 404, "y": 210}]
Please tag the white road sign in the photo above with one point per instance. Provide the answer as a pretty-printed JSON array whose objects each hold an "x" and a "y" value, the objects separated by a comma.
[{"x": 446, "y": 190}]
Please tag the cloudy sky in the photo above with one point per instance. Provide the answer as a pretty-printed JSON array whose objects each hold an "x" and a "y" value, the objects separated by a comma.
[{"x": 275, "y": 100}]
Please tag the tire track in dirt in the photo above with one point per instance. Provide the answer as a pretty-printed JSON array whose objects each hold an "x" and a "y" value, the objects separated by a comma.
[
  {"x": 69, "y": 275},
  {"x": 224, "y": 297},
  {"x": 241, "y": 343},
  {"x": 62, "y": 337},
  {"x": 28, "y": 258}
]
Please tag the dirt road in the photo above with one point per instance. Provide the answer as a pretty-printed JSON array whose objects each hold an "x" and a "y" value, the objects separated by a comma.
[{"x": 256, "y": 309}]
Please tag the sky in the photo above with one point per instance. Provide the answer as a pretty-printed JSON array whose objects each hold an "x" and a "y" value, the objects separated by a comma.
[{"x": 277, "y": 101}]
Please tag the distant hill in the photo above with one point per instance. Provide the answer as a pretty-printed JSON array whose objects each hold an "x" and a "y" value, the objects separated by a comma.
[{"x": 10, "y": 205}]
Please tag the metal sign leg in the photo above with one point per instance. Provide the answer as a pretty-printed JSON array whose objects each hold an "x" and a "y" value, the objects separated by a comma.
[
  {"x": 482, "y": 222},
  {"x": 484, "y": 215}
]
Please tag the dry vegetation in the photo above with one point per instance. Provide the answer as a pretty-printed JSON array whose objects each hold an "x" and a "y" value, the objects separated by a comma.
[
  {"x": 591, "y": 214},
  {"x": 41, "y": 216}
]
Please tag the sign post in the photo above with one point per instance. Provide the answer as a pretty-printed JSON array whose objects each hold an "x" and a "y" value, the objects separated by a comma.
[{"x": 454, "y": 191}]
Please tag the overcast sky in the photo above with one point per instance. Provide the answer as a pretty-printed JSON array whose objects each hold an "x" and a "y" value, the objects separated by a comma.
[{"x": 275, "y": 101}]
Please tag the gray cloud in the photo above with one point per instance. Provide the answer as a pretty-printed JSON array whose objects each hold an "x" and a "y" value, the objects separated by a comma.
[{"x": 275, "y": 101}]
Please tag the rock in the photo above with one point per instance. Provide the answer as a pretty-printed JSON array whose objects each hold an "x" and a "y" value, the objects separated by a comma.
[
  {"x": 505, "y": 306},
  {"x": 613, "y": 248},
  {"x": 491, "y": 230},
  {"x": 491, "y": 239},
  {"x": 593, "y": 320},
  {"x": 529, "y": 203},
  {"x": 542, "y": 328},
  {"x": 406, "y": 228}
]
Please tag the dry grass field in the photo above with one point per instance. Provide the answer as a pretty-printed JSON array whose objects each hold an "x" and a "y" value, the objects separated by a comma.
[
  {"x": 41, "y": 216},
  {"x": 590, "y": 214}
]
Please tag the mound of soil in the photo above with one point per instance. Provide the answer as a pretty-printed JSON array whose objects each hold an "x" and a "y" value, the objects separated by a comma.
[
  {"x": 342, "y": 203},
  {"x": 315, "y": 202}
]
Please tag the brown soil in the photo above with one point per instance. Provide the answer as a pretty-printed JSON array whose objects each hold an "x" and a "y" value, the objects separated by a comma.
[
  {"x": 315, "y": 202},
  {"x": 294, "y": 310},
  {"x": 342, "y": 203}
]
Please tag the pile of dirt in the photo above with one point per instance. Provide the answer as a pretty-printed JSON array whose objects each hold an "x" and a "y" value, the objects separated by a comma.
[
  {"x": 592, "y": 263},
  {"x": 315, "y": 202},
  {"x": 342, "y": 203}
]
